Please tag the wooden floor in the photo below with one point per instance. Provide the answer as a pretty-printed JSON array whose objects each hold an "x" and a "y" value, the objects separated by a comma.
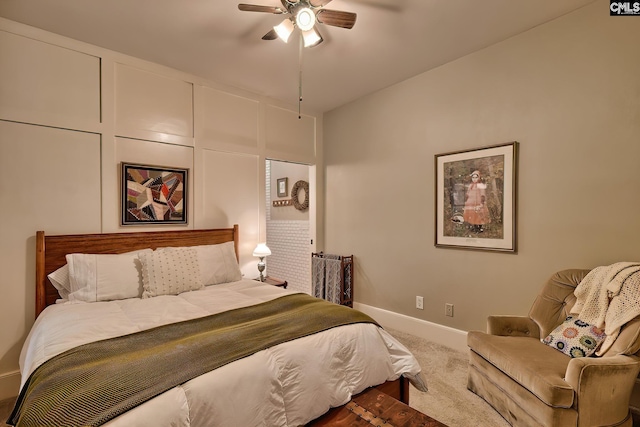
[{"x": 6, "y": 406}]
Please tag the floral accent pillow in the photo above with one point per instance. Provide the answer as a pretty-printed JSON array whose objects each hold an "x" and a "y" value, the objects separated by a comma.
[{"x": 575, "y": 338}]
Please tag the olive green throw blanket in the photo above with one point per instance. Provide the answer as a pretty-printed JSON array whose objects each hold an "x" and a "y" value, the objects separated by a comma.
[{"x": 94, "y": 383}]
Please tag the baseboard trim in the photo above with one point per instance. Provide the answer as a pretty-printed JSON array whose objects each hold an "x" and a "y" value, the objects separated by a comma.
[
  {"x": 9, "y": 385},
  {"x": 443, "y": 335}
]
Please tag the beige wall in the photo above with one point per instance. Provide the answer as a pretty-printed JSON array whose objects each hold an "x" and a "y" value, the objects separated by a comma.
[
  {"x": 70, "y": 113},
  {"x": 293, "y": 172},
  {"x": 569, "y": 92}
]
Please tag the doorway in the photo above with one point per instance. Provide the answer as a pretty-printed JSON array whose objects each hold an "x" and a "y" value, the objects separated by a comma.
[{"x": 288, "y": 223}]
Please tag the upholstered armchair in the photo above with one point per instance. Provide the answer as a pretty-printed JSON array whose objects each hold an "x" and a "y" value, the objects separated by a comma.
[{"x": 533, "y": 384}]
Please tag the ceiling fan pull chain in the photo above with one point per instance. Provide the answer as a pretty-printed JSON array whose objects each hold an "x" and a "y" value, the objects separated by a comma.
[
  {"x": 300, "y": 78},
  {"x": 300, "y": 97}
]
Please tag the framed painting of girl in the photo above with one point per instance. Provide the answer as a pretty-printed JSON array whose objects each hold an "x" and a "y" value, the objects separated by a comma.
[{"x": 476, "y": 198}]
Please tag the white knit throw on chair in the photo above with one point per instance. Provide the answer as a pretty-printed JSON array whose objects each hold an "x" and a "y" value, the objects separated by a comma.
[{"x": 608, "y": 297}]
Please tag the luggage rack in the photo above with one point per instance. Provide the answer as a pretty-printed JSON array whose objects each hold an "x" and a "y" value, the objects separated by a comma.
[{"x": 332, "y": 277}]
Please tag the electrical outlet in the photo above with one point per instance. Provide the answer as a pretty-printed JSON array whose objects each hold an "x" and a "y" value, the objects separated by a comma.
[
  {"x": 448, "y": 309},
  {"x": 419, "y": 303}
]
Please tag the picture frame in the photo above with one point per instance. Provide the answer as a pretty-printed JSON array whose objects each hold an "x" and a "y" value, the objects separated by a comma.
[
  {"x": 476, "y": 198},
  {"x": 283, "y": 187},
  {"x": 153, "y": 194}
]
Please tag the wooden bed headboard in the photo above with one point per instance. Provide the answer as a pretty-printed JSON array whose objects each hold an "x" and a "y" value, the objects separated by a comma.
[{"x": 51, "y": 250}]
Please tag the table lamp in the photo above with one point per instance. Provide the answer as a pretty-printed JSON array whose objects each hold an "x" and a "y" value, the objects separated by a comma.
[{"x": 261, "y": 251}]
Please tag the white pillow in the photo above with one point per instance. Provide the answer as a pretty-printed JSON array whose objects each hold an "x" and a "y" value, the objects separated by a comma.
[
  {"x": 60, "y": 280},
  {"x": 218, "y": 263},
  {"x": 170, "y": 271},
  {"x": 104, "y": 277}
]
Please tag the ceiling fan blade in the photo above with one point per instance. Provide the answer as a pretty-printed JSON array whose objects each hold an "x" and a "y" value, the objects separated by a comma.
[
  {"x": 271, "y": 35},
  {"x": 336, "y": 18},
  {"x": 318, "y": 3},
  {"x": 258, "y": 8}
]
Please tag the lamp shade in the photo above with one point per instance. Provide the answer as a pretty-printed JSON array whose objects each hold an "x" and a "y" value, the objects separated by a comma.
[
  {"x": 261, "y": 250},
  {"x": 311, "y": 38},
  {"x": 284, "y": 29}
]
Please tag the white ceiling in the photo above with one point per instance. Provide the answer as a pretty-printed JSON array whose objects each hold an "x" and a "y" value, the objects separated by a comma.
[{"x": 391, "y": 41}]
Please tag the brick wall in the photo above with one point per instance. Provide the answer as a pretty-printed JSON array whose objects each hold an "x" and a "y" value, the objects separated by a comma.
[{"x": 290, "y": 254}]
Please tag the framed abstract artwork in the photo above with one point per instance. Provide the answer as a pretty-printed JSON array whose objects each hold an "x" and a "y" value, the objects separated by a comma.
[
  {"x": 476, "y": 192},
  {"x": 153, "y": 195}
]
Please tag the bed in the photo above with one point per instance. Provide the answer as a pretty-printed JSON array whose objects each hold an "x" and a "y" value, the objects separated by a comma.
[{"x": 236, "y": 352}]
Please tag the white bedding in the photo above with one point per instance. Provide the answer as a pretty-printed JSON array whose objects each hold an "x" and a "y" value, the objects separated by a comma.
[{"x": 286, "y": 385}]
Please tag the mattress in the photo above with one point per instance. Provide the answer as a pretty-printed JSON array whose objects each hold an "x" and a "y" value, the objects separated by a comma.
[{"x": 289, "y": 384}]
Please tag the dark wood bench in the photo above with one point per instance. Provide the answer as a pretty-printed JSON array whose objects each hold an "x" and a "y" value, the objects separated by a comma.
[{"x": 375, "y": 408}]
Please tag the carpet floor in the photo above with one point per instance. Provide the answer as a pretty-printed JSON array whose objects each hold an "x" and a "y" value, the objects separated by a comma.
[
  {"x": 448, "y": 400},
  {"x": 6, "y": 406}
]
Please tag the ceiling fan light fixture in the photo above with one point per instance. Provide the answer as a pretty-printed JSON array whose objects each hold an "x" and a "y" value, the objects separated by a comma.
[
  {"x": 311, "y": 38},
  {"x": 305, "y": 19},
  {"x": 284, "y": 29}
]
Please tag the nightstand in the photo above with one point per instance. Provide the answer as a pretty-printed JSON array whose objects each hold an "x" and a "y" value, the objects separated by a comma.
[{"x": 273, "y": 281}]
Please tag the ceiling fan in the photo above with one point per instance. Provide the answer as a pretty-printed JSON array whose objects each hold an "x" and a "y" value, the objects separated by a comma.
[{"x": 303, "y": 14}]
